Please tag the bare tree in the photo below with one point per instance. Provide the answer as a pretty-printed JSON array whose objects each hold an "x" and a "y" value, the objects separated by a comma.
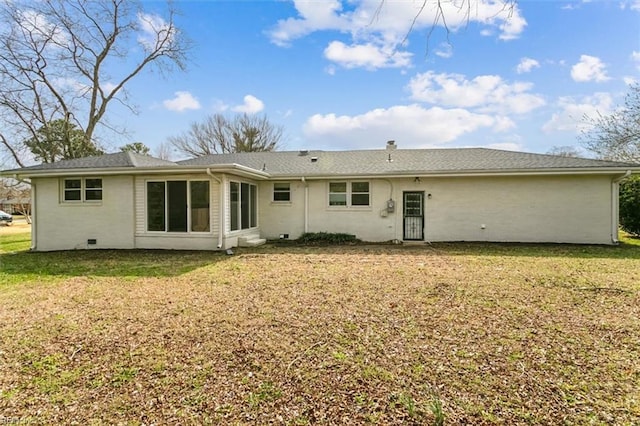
[
  {"x": 164, "y": 151},
  {"x": 565, "y": 151},
  {"x": 218, "y": 134},
  {"x": 18, "y": 194},
  {"x": 59, "y": 60},
  {"x": 616, "y": 136}
]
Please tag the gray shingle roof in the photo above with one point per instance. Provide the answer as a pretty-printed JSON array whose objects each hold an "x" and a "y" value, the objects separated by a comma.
[
  {"x": 403, "y": 161},
  {"x": 348, "y": 163},
  {"x": 116, "y": 160}
]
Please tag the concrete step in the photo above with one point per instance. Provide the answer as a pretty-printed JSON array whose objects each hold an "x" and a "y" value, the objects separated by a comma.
[{"x": 251, "y": 241}]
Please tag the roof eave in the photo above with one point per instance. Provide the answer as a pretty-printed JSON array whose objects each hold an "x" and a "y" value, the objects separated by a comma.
[
  {"x": 236, "y": 169},
  {"x": 466, "y": 173}
]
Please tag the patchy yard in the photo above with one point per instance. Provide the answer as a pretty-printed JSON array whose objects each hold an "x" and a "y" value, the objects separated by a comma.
[{"x": 465, "y": 333}]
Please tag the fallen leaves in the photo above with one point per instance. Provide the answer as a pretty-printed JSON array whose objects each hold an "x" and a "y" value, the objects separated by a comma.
[{"x": 349, "y": 335}]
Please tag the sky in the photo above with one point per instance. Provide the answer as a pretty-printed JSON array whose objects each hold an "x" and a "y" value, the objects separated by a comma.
[{"x": 353, "y": 74}]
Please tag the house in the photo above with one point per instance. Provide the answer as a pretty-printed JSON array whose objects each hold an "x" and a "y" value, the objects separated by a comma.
[
  {"x": 15, "y": 205},
  {"x": 127, "y": 200}
]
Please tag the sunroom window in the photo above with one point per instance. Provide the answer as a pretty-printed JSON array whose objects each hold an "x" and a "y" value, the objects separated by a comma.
[
  {"x": 178, "y": 206},
  {"x": 244, "y": 205}
]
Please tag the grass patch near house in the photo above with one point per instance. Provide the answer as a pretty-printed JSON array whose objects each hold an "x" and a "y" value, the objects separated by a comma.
[
  {"x": 441, "y": 334},
  {"x": 19, "y": 266}
]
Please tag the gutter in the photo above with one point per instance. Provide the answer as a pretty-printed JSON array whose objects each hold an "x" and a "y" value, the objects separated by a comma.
[
  {"x": 457, "y": 173},
  {"x": 220, "y": 203},
  {"x": 219, "y": 168},
  {"x": 615, "y": 205}
]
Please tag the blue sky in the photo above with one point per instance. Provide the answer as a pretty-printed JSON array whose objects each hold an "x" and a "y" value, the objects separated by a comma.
[{"x": 337, "y": 76}]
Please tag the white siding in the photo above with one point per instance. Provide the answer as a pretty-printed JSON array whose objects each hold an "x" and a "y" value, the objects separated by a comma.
[
  {"x": 569, "y": 209},
  {"x": 67, "y": 226},
  {"x": 367, "y": 223},
  {"x": 277, "y": 218},
  {"x": 563, "y": 209}
]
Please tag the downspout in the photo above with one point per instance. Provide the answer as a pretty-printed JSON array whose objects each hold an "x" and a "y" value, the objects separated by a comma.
[
  {"x": 615, "y": 205},
  {"x": 306, "y": 204},
  {"x": 221, "y": 207}
]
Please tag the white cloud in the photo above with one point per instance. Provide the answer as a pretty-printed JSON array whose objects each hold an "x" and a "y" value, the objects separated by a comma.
[
  {"x": 181, "y": 102},
  {"x": 590, "y": 68},
  {"x": 427, "y": 127},
  {"x": 632, "y": 4},
  {"x": 571, "y": 117},
  {"x": 366, "y": 56},
  {"x": 69, "y": 83},
  {"x": 314, "y": 16},
  {"x": 150, "y": 26},
  {"x": 41, "y": 29},
  {"x": 526, "y": 65},
  {"x": 251, "y": 105},
  {"x": 384, "y": 25},
  {"x": 108, "y": 87},
  {"x": 487, "y": 93},
  {"x": 331, "y": 70},
  {"x": 635, "y": 57},
  {"x": 445, "y": 50},
  {"x": 505, "y": 146},
  {"x": 512, "y": 27}
]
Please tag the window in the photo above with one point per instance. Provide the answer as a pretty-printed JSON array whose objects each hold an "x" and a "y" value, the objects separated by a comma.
[
  {"x": 178, "y": 206},
  {"x": 360, "y": 193},
  {"x": 281, "y": 191},
  {"x": 93, "y": 189},
  {"x": 355, "y": 194},
  {"x": 244, "y": 204},
  {"x": 73, "y": 189},
  {"x": 338, "y": 193},
  {"x": 82, "y": 189},
  {"x": 200, "y": 206}
]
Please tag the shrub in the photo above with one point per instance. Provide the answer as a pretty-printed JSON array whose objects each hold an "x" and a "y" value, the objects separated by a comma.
[
  {"x": 630, "y": 205},
  {"x": 327, "y": 238}
]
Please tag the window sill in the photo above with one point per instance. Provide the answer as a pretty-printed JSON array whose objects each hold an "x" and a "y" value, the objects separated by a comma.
[
  {"x": 281, "y": 203},
  {"x": 350, "y": 208},
  {"x": 80, "y": 203},
  {"x": 174, "y": 234}
]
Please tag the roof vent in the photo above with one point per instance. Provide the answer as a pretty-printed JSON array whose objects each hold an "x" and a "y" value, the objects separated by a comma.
[
  {"x": 391, "y": 145},
  {"x": 303, "y": 152},
  {"x": 314, "y": 159}
]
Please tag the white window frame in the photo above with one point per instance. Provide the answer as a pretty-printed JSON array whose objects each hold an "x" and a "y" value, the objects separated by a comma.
[
  {"x": 253, "y": 206},
  {"x": 349, "y": 193},
  {"x": 352, "y": 193},
  {"x": 82, "y": 189},
  {"x": 281, "y": 191},
  {"x": 166, "y": 207}
]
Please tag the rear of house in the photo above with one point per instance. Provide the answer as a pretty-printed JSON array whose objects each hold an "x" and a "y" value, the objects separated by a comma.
[{"x": 127, "y": 200}]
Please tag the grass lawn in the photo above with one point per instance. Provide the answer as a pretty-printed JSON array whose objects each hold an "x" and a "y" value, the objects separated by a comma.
[{"x": 442, "y": 334}]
